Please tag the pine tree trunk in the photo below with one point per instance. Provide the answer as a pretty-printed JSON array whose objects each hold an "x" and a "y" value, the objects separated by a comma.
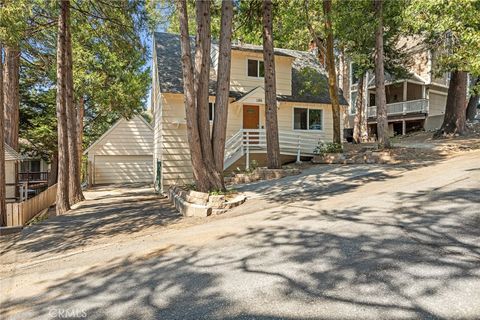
[
  {"x": 12, "y": 96},
  {"x": 53, "y": 175},
  {"x": 62, "y": 201},
  {"x": 3, "y": 194},
  {"x": 271, "y": 121},
  {"x": 455, "y": 110},
  {"x": 80, "y": 115},
  {"x": 75, "y": 188},
  {"x": 201, "y": 80},
  {"x": 380, "y": 97},
  {"x": 359, "y": 107},
  {"x": 472, "y": 106},
  {"x": 345, "y": 83},
  {"x": 199, "y": 170},
  {"x": 332, "y": 77},
  {"x": 223, "y": 86},
  {"x": 473, "y": 103},
  {"x": 364, "y": 123}
]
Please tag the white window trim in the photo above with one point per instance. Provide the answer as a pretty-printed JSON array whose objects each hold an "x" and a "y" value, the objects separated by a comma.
[
  {"x": 351, "y": 76},
  {"x": 258, "y": 67},
  {"x": 351, "y": 105},
  {"x": 308, "y": 119}
]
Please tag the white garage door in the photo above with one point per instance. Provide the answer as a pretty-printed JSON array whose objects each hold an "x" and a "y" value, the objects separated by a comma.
[{"x": 123, "y": 169}]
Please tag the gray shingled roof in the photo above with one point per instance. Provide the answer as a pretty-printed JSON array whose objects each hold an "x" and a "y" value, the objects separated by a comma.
[
  {"x": 309, "y": 79},
  {"x": 389, "y": 78},
  {"x": 10, "y": 153}
]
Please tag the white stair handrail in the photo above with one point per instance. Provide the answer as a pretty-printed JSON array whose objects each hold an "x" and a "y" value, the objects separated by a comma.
[{"x": 246, "y": 141}]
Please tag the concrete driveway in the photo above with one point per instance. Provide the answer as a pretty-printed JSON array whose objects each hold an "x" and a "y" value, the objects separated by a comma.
[
  {"x": 400, "y": 244},
  {"x": 110, "y": 214}
]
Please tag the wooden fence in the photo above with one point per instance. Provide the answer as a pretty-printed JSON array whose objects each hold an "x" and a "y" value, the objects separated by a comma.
[{"x": 20, "y": 212}]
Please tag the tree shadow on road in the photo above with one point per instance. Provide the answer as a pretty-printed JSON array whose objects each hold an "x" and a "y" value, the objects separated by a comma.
[
  {"x": 99, "y": 219},
  {"x": 331, "y": 264}
]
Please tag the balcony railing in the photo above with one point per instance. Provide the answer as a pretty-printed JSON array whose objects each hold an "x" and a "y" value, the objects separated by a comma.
[
  {"x": 399, "y": 108},
  {"x": 33, "y": 176}
]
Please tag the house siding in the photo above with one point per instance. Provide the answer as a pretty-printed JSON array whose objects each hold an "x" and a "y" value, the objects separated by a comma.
[
  {"x": 10, "y": 178},
  {"x": 119, "y": 157},
  {"x": 172, "y": 137},
  {"x": 156, "y": 111},
  {"x": 437, "y": 104},
  {"x": 240, "y": 81},
  {"x": 436, "y": 114}
]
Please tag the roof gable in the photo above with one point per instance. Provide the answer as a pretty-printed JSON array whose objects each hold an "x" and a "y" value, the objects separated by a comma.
[
  {"x": 134, "y": 131},
  {"x": 170, "y": 75},
  {"x": 11, "y": 154},
  {"x": 256, "y": 95}
]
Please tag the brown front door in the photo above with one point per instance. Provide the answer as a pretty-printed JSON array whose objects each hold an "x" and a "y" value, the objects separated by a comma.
[{"x": 251, "y": 117}]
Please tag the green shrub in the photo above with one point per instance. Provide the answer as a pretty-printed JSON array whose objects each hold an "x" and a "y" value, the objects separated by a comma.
[
  {"x": 253, "y": 165},
  {"x": 329, "y": 147},
  {"x": 191, "y": 186},
  {"x": 222, "y": 193}
]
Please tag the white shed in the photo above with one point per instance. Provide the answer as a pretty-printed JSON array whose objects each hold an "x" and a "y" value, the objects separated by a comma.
[
  {"x": 11, "y": 159},
  {"x": 123, "y": 154}
]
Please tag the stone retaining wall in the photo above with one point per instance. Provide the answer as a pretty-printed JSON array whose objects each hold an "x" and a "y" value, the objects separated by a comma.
[
  {"x": 370, "y": 157},
  {"x": 192, "y": 203},
  {"x": 261, "y": 174}
]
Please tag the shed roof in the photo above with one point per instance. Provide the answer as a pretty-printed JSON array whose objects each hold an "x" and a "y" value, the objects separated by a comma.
[
  {"x": 11, "y": 154},
  {"x": 309, "y": 79}
]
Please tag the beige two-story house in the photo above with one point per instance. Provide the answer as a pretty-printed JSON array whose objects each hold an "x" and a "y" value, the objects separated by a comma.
[
  {"x": 414, "y": 103},
  {"x": 304, "y": 108}
]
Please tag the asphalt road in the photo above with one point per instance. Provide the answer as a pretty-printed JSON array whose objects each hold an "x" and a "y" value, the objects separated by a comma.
[{"x": 334, "y": 243}]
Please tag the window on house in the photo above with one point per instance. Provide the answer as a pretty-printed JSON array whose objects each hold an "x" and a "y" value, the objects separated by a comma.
[
  {"x": 307, "y": 119},
  {"x": 35, "y": 166},
  {"x": 372, "y": 99},
  {"x": 353, "y": 102},
  {"x": 353, "y": 73},
  {"x": 300, "y": 118},
  {"x": 211, "y": 110},
  {"x": 255, "y": 68}
]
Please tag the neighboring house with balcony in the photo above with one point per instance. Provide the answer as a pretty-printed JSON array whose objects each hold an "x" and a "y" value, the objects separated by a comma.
[
  {"x": 304, "y": 108},
  {"x": 33, "y": 170},
  {"x": 417, "y": 102},
  {"x": 12, "y": 158}
]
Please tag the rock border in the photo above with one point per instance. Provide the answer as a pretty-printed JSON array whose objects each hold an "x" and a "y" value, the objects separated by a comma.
[
  {"x": 199, "y": 204},
  {"x": 367, "y": 157},
  {"x": 261, "y": 173}
]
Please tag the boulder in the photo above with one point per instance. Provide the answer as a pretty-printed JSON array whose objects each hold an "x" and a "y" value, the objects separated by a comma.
[
  {"x": 197, "y": 197},
  {"x": 217, "y": 202}
]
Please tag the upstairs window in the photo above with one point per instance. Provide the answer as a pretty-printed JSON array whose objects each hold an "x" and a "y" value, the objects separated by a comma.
[
  {"x": 211, "y": 110},
  {"x": 353, "y": 102},
  {"x": 353, "y": 73},
  {"x": 255, "y": 68},
  {"x": 307, "y": 119}
]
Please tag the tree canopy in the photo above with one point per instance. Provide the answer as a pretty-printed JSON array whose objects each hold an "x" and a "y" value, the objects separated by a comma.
[{"x": 109, "y": 63}]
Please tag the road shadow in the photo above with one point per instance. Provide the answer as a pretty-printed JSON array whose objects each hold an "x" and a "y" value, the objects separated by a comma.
[
  {"x": 102, "y": 217},
  {"x": 418, "y": 261},
  {"x": 317, "y": 183}
]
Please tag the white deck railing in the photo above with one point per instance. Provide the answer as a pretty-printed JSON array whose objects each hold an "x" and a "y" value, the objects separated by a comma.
[
  {"x": 405, "y": 107},
  {"x": 247, "y": 141}
]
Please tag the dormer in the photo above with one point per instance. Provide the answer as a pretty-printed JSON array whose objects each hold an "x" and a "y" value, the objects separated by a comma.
[{"x": 247, "y": 70}]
